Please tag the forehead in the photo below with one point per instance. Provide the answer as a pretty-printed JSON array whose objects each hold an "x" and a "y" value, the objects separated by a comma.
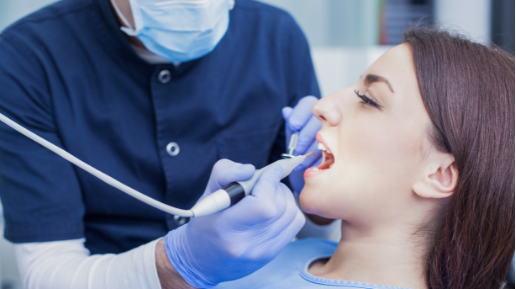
[{"x": 397, "y": 67}]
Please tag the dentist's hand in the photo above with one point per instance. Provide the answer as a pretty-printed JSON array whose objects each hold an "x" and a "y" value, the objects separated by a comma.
[
  {"x": 300, "y": 118},
  {"x": 239, "y": 240}
]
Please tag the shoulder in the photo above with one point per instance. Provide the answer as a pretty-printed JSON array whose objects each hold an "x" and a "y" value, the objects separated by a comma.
[
  {"x": 253, "y": 6},
  {"x": 49, "y": 21},
  {"x": 254, "y": 24},
  {"x": 262, "y": 14},
  {"x": 54, "y": 11}
]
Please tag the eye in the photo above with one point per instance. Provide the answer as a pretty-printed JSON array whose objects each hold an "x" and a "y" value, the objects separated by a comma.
[{"x": 366, "y": 100}]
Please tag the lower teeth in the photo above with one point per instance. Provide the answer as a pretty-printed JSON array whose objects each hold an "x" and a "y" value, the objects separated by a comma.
[{"x": 315, "y": 169}]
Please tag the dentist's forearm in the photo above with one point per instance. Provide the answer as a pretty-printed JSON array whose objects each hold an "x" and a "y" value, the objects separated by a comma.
[
  {"x": 168, "y": 276},
  {"x": 67, "y": 264}
]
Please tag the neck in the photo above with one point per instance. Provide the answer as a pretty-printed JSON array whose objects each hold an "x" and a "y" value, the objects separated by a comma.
[{"x": 388, "y": 256}]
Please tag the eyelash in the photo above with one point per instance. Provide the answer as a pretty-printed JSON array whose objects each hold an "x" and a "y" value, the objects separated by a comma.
[{"x": 367, "y": 100}]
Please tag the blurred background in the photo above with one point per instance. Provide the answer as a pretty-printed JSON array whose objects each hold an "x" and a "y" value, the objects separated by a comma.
[{"x": 345, "y": 36}]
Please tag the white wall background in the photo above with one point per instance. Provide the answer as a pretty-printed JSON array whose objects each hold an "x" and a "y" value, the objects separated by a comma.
[
  {"x": 12, "y": 10},
  {"x": 473, "y": 18},
  {"x": 341, "y": 33}
]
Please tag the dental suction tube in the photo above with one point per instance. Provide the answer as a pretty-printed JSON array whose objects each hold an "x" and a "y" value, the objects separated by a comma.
[
  {"x": 102, "y": 176},
  {"x": 213, "y": 203}
]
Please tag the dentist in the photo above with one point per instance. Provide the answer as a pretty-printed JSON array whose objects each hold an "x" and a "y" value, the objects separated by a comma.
[{"x": 152, "y": 93}]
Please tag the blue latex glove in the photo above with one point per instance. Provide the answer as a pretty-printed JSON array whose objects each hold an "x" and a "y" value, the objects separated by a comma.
[
  {"x": 300, "y": 118},
  {"x": 241, "y": 239}
]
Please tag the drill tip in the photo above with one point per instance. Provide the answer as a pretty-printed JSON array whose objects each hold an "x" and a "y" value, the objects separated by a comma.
[{"x": 309, "y": 155}]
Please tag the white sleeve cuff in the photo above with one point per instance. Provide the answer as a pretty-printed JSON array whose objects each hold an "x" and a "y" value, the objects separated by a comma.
[{"x": 67, "y": 264}]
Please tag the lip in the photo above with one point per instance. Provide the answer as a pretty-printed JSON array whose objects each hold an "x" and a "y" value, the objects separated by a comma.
[
  {"x": 320, "y": 139},
  {"x": 309, "y": 173}
]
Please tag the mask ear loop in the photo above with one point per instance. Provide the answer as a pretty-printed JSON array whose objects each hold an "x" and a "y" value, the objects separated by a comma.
[{"x": 119, "y": 13}]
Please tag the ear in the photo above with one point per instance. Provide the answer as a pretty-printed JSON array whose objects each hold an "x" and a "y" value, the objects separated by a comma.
[{"x": 439, "y": 179}]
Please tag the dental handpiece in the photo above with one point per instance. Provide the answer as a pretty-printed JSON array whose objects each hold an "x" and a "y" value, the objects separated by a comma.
[
  {"x": 236, "y": 191},
  {"x": 215, "y": 202}
]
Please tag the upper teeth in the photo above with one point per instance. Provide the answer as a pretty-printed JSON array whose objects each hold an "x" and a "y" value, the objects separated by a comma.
[{"x": 322, "y": 147}]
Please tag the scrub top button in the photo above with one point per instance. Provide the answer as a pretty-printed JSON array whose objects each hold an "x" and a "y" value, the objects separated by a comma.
[
  {"x": 173, "y": 149},
  {"x": 164, "y": 76}
]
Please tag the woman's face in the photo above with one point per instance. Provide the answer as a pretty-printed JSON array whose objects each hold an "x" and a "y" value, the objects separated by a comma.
[{"x": 377, "y": 143}]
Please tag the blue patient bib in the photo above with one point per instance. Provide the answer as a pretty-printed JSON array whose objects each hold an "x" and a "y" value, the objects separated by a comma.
[{"x": 290, "y": 270}]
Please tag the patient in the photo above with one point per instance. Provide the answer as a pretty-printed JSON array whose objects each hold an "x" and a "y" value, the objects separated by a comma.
[{"x": 419, "y": 165}]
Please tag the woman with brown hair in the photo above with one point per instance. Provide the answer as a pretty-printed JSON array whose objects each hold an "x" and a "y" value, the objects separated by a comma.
[{"x": 419, "y": 165}]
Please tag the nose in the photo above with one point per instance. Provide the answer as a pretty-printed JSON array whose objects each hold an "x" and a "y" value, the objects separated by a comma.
[{"x": 326, "y": 111}]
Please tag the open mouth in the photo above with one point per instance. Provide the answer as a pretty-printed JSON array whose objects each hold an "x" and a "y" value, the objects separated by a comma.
[
  {"x": 327, "y": 163},
  {"x": 328, "y": 159}
]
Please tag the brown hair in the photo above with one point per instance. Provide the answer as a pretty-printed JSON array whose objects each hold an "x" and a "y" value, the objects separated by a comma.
[{"x": 468, "y": 91}]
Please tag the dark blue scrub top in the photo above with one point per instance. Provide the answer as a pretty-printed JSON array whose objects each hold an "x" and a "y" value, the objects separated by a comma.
[{"x": 68, "y": 73}]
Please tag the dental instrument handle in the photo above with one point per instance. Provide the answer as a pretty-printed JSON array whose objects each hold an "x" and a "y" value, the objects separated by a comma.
[
  {"x": 103, "y": 177},
  {"x": 293, "y": 143},
  {"x": 236, "y": 191}
]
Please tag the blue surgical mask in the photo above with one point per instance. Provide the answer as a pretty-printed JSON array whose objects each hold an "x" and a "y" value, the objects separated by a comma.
[{"x": 178, "y": 30}]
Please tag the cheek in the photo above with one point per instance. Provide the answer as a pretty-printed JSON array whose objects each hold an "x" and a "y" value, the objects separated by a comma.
[
  {"x": 376, "y": 167},
  {"x": 344, "y": 197},
  {"x": 382, "y": 148}
]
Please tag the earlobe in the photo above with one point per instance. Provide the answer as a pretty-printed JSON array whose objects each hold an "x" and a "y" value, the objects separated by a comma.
[{"x": 438, "y": 182}]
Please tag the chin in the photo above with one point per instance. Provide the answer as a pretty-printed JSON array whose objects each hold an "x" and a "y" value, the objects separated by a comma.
[{"x": 310, "y": 201}]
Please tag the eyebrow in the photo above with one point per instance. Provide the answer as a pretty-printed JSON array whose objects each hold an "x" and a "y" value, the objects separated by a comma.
[{"x": 372, "y": 78}]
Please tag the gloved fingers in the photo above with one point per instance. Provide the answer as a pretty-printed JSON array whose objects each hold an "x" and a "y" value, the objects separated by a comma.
[
  {"x": 263, "y": 204},
  {"x": 307, "y": 136},
  {"x": 269, "y": 250},
  {"x": 281, "y": 202},
  {"x": 302, "y": 113},
  {"x": 297, "y": 180},
  {"x": 310, "y": 160},
  {"x": 268, "y": 182},
  {"x": 268, "y": 209},
  {"x": 284, "y": 218},
  {"x": 225, "y": 172},
  {"x": 278, "y": 231},
  {"x": 286, "y": 112},
  {"x": 289, "y": 233},
  {"x": 279, "y": 226}
]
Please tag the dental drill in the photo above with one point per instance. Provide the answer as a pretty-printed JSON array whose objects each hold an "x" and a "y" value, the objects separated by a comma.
[
  {"x": 236, "y": 191},
  {"x": 217, "y": 201}
]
